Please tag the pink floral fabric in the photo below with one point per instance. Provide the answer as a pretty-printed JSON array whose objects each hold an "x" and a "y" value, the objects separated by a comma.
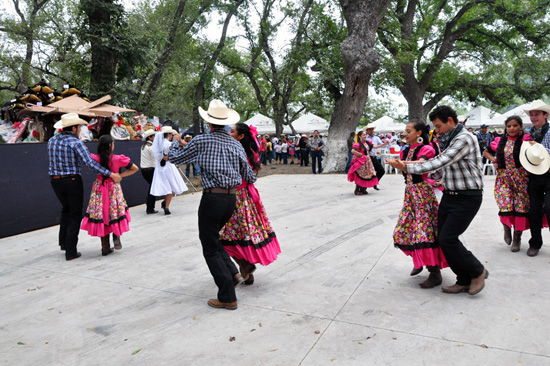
[
  {"x": 361, "y": 170},
  {"x": 511, "y": 190},
  {"x": 248, "y": 234},
  {"x": 416, "y": 230},
  {"x": 107, "y": 210}
]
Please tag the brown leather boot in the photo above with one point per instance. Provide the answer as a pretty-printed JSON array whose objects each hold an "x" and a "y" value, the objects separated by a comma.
[
  {"x": 416, "y": 271},
  {"x": 364, "y": 190},
  {"x": 507, "y": 234},
  {"x": 116, "y": 241},
  {"x": 434, "y": 279},
  {"x": 105, "y": 246},
  {"x": 358, "y": 191},
  {"x": 245, "y": 267},
  {"x": 517, "y": 241}
]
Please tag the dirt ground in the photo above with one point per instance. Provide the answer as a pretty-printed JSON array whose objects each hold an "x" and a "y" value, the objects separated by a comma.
[{"x": 269, "y": 169}]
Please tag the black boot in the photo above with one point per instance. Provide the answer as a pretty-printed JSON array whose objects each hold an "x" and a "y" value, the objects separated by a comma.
[
  {"x": 507, "y": 234},
  {"x": 358, "y": 191},
  {"x": 434, "y": 279},
  {"x": 105, "y": 246},
  {"x": 516, "y": 243}
]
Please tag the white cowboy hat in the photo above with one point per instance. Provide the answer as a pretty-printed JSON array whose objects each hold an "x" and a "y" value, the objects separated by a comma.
[
  {"x": 168, "y": 129},
  {"x": 538, "y": 105},
  {"x": 370, "y": 127},
  {"x": 148, "y": 133},
  {"x": 534, "y": 158},
  {"x": 186, "y": 136},
  {"x": 69, "y": 119},
  {"x": 219, "y": 114}
]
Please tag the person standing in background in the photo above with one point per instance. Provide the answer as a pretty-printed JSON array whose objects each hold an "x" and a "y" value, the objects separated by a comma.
[{"x": 147, "y": 165}]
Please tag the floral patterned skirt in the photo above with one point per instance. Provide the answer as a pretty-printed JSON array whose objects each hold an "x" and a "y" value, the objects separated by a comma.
[
  {"x": 107, "y": 210},
  {"x": 362, "y": 172},
  {"x": 416, "y": 230},
  {"x": 512, "y": 198},
  {"x": 248, "y": 234}
]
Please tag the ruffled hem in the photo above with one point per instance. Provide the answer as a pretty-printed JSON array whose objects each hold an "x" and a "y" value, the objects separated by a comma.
[
  {"x": 519, "y": 223},
  {"x": 426, "y": 257},
  {"x": 264, "y": 256},
  {"x": 96, "y": 229}
]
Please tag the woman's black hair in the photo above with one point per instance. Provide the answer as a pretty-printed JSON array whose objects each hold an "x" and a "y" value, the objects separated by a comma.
[
  {"x": 249, "y": 145},
  {"x": 423, "y": 128},
  {"x": 502, "y": 143},
  {"x": 104, "y": 150}
]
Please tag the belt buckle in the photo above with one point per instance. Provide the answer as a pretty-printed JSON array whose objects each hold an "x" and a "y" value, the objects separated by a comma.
[{"x": 454, "y": 193}]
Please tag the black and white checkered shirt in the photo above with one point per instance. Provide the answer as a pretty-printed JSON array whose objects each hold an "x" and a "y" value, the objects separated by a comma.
[
  {"x": 460, "y": 163},
  {"x": 221, "y": 158}
]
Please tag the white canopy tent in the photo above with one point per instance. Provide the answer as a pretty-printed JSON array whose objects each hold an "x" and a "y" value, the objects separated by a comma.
[
  {"x": 265, "y": 125},
  {"x": 480, "y": 116},
  {"x": 387, "y": 124},
  {"x": 519, "y": 111},
  {"x": 309, "y": 123}
]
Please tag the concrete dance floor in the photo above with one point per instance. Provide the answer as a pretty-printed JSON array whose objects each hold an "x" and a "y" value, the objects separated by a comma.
[{"x": 339, "y": 293}]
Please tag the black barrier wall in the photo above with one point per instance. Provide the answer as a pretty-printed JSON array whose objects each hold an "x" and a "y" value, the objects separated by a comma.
[{"x": 27, "y": 195}]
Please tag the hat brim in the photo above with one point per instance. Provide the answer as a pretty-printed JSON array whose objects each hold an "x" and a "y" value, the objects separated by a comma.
[
  {"x": 59, "y": 124},
  {"x": 534, "y": 169},
  {"x": 544, "y": 108},
  {"x": 232, "y": 117}
]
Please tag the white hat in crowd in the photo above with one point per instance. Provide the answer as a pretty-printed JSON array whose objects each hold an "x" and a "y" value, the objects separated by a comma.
[
  {"x": 538, "y": 105},
  {"x": 219, "y": 114},
  {"x": 68, "y": 120},
  {"x": 148, "y": 133},
  {"x": 534, "y": 158}
]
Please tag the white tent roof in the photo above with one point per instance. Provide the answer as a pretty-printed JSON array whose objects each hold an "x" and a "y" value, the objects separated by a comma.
[
  {"x": 309, "y": 123},
  {"x": 519, "y": 111},
  {"x": 265, "y": 125},
  {"x": 479, "y": 116},
  {"x": 387, "y": 124}
]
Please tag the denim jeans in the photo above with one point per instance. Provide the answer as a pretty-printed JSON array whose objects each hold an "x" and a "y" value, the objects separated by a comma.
[
  {"x": 196, "y": 169},
  {"x": 348, "y": 164},
  {"x": 316, "y": 161}
]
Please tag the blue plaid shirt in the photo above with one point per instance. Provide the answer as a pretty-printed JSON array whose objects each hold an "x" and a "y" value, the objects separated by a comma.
[
  {"x": 66, "y": 151},
  {"x": 546, "y": 141},
  {"x": 221, "y": 158}
]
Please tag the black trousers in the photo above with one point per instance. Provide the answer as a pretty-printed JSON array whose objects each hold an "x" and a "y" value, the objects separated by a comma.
[
  {"x": 215, "y": 210},
  {"x": 70, "y": 192},
  {"x": 455, "y": 215},
  {"x": 539, "y": 199},
  {"x": 150, "y": 201},
  {"x": 316, "y": 161},
  {"x": 304, "y": 159},
  {"x": 380, "y": 171}
]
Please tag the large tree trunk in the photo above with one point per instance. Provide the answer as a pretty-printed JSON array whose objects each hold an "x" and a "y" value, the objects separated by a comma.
[
  {"x": 360, "y": 61},
  {"x": 207, "y": 70},
  {"x": 104, "y": 57}
]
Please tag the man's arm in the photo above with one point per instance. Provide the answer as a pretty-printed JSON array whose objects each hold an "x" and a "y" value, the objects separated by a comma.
[
  {"x": 458, "y": 149},
  {"x": 84, "y": 156},
  {"x": 181, "y": 152}
]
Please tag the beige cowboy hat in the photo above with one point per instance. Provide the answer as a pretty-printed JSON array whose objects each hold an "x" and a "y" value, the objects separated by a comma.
[
  {"x": 370, "y": 128},
  {"x": 168, "y": 129},
  {"x": 186, "y": 136},
  {"x": 148, "y": 133},
  {"x": 219, "y": 114},
  {"x": 534, "y": 158},
  {"x": 68, "y": 120},
  {"x": 537, "y": 105}
]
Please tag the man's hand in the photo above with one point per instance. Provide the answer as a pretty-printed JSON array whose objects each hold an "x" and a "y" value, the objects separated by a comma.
[
  {"x": 115, "y": 177},
  {"x": 177, "y": 137},
  {"x": 396, "y": 163}
]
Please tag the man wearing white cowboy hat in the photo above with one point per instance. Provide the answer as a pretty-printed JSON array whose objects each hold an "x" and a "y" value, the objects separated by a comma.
[
  {"x": 223, "y": 165},
  {"x": 147, "y": 167},
  {"x": 377, "y": 144},
  {"x": 539, "y": 181},
  {"x": 65, "y": 153}
]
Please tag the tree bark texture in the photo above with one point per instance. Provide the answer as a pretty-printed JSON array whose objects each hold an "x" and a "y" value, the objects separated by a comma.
[
  {"x": 208, "y": 66},
  {"x": 360, "y": 61},
  {"x": 104, "y": 56}
]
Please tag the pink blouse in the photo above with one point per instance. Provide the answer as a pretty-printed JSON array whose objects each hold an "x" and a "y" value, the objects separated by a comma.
[
  {"x": 494, "y": 144},
  {"x": 117, "y": 162},
  {"x": 426, "y": 152}
]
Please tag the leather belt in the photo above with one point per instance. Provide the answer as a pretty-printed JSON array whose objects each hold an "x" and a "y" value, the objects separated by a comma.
[
  {"x": 220, "y": 190},
  {"x": 147, "y": 168},
  {"x": 64, "y": 176},
  {"x": 465, "y": 192}
]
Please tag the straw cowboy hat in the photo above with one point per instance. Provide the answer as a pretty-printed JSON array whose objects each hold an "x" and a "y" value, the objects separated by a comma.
[
  {"x": 370, "y": 128},
  {"x": 68, "y": 120},
  {"x": 534, "y": 158},
  {"x": 538, "y": 105},
  {"x": 168, "y": 129},
  {"x": 148, "y": 133},
  {"x": 219, "y": 114}
]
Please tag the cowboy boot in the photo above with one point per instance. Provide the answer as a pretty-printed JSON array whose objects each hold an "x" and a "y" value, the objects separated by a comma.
[
  {"x": 517, "y": 241},
  {"x": 105, "y": 246},
  {"x": 116, "y": 241},
  {"x": 246, "y": 268},
  {"x": 358, "y": 191},
  {"x": 507, "y": 234},
  {"x": 416, "y": 271},
  {"x": 434, "y": 279},
  {"x": 364, "y": 190}
]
